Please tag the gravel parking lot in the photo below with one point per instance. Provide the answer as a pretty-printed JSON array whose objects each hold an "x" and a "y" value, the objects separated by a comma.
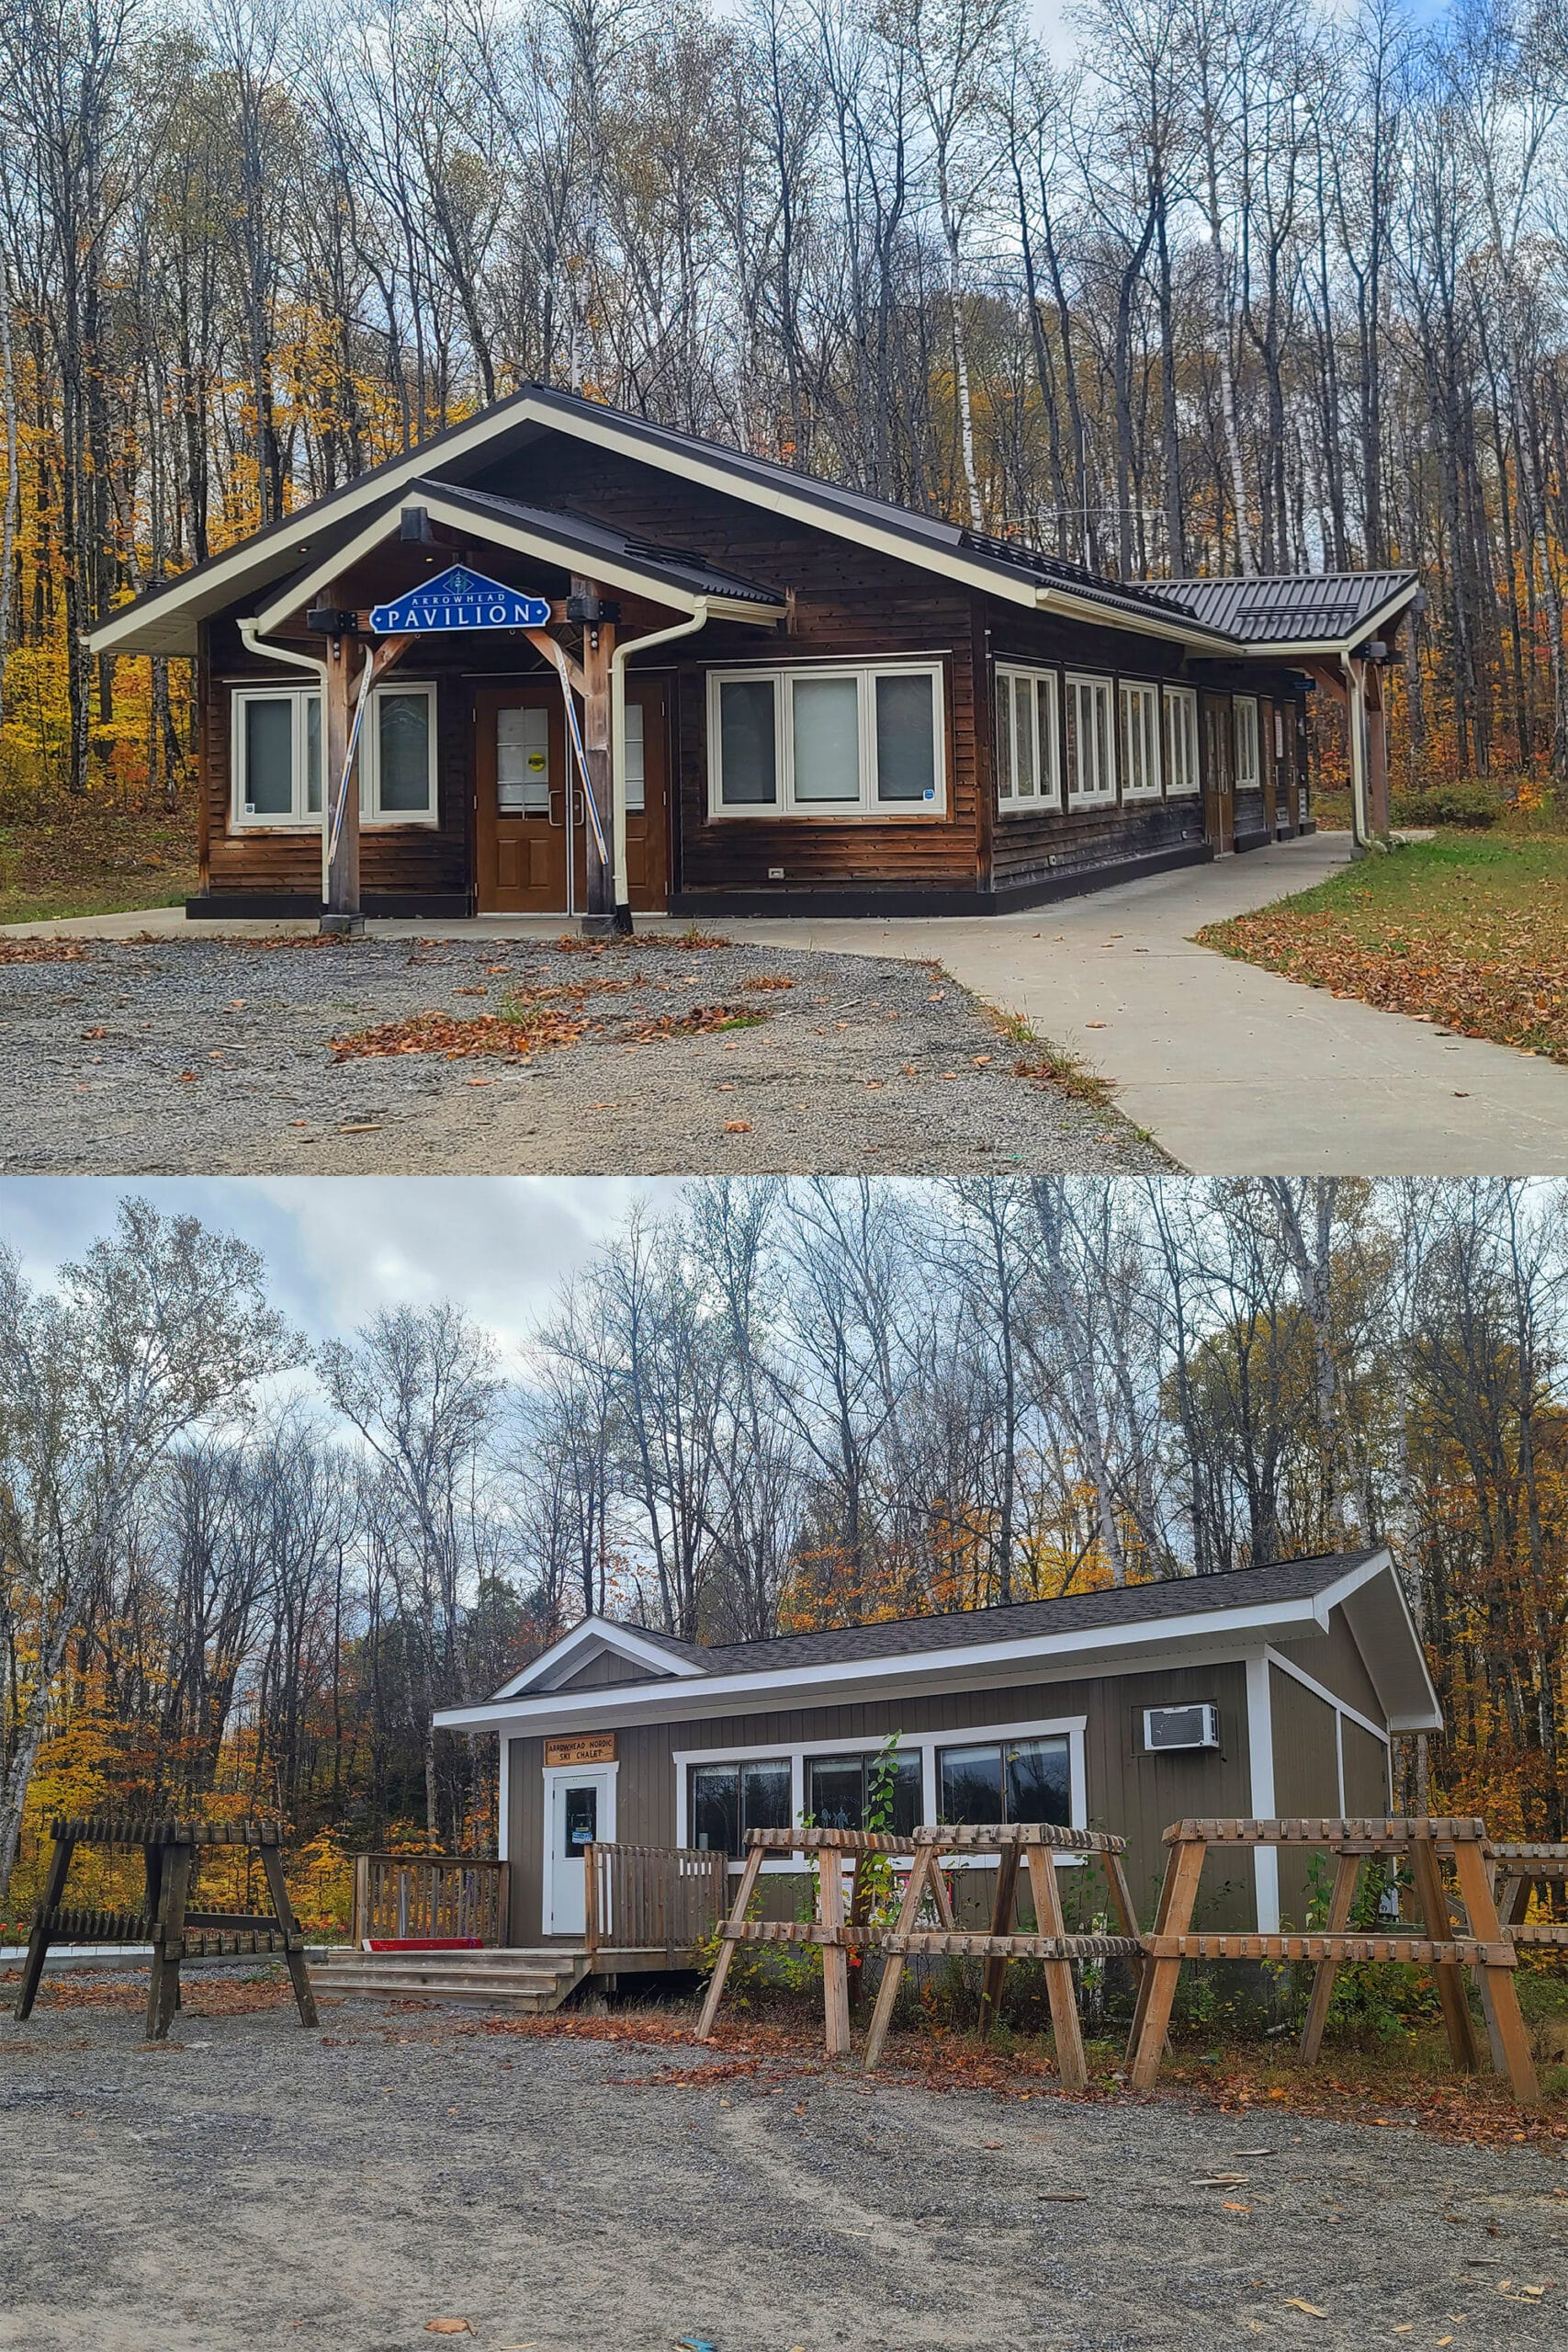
[
  {"x": 215, "y": 1057},
  {"x": 252, "y": 2185}
]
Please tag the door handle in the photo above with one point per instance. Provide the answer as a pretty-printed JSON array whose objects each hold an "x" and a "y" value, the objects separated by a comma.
[{"x": 550, "y": 809}]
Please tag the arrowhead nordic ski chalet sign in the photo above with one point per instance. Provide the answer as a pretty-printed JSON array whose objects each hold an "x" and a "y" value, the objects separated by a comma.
[{"x": 458, "y": 599}]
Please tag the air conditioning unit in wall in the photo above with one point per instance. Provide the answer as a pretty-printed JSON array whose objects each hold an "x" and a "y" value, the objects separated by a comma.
[{"x": 1169, "y": 1729}]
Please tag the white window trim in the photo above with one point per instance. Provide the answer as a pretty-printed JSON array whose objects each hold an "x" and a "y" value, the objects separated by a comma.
[
  {"x": 1105, "y": 797},
  {"x": 1184, "y": 698},
  {"x": 868, "y": 810},
  {"x": 1143, "y": 693},
  {"x": 924, "y": 1743},
  {"x": 1048, "y": 793},
  {"x": 302, "y": 820},
  {"x": 1248, "y": 781}
]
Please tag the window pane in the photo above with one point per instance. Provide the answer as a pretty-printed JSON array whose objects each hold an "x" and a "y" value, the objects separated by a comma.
[
  {"x": 826, "y": 738},
  {"x": 764, "y": 1794},
  {"x": 1024, "y": 700},
  {"x": 748, "y": 755},
  {"x": 909, "y": 1796},
  {"x": 269, "y": 756},
  {"x": 906, "y": 743},
  {"x": 971, "y": 1784},
  {"x": 835, "y": 1790},
  {"x": 715, "y": 1809},
  {"x": 1004, "y": 739},
  {"x": 1039, "y": 1787},
  {"x": 404, "y": 752},
  {"x": 522, "y": 762},
  {"x": 1045, "y": 710},
  {"x": 636, "y": 791},
  {"x": 313, "y": 754}
]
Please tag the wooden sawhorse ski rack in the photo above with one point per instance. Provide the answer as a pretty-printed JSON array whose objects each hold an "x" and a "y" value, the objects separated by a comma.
[
  {"x": 1482, "y": 1945},
  {"x": 1030, "y": 1846},
  {"x": 838, "y": 1928},
  {"x": 171, "y": 1854}
]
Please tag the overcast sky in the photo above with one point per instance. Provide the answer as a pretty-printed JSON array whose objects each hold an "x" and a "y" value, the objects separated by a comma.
[{"x": 341, "y": 1246}]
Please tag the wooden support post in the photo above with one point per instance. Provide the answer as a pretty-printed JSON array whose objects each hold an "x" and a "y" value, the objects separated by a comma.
[
  {"x": 1151, "y": 2019},
  {"x": 1123, "y": 1905},
  {"x": 1001, "y": 1925},
  {"x": 361, "y": 1910},
  {"x": 168, "y": 1942},
  {"x": 744, "y": 1892},
  {"x": 1503, "y": 2000},
  {"x": 342, "y": 911},
  {"x": 1449, "y": 1978},
  {"x": 924, "y": 1874},
  {"x": 37, "y": 1942},
  {"x": 1071, "y": 2063},
  {"x": 1378, "y": 818},
  {"x": 304, "y": 1999},
  {"x": 1341, "y": 1903},
  {"x": 598, "y": 644},
  {"x": 835, "y": 1959}
]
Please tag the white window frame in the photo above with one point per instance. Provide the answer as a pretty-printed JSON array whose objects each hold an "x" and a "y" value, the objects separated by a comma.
[
  {"x": 868, "y": 809},
  {"x": 370, "y": 809},
  {"x": 300, "y": 818},
  {"x": 1244, "y": 722},
  {"x": 1102, "y": 689},
  {"x": 1140, "y": 696},
  {"x": 924, "y": 1743},
  {"x": 1046, "y": 751},
  {"x": 1181, "y": 714}
]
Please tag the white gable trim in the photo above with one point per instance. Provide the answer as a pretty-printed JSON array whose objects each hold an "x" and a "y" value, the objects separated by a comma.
[{"x": 589, "y": 1639}]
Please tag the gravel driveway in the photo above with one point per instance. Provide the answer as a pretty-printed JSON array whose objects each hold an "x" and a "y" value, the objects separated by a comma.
[
  {"x": 214, "y": 1057},
  {"x": 250, "y": 2185}
]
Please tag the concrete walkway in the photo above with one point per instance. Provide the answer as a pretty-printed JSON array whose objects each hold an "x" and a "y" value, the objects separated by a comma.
[{"x": 1234, "y": 1071}]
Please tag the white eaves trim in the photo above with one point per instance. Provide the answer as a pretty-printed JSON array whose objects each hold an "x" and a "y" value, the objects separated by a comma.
[
  {"x": 851, "y": 1677},
  {"x": 593, "y": 1635}
]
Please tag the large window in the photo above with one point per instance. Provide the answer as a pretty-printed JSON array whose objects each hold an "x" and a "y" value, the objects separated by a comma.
[
  {"x": 1092, "y": 745},
  {"x": 1027, "y": 742},
  {"x": 277, "y": 758},
  {"x": 1140, "y": 741},
  {"x": 1011, "y": 1779},
  {"x": 729, "y": 1799},
  {"x": 827, "y": 742},
  {"x": 1247, "y": 771},
  {"x": 1180, "y": 740},
  {"x": 839, "y": 1791},
  {"x": 636, "y": 790}
]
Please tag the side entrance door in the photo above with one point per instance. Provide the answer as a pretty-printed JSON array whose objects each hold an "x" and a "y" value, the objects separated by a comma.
[
  {"x": 1219, "y": 774},
  {"x": 580, "y": 1812},
  {"x": 647, "y": 852},
  {"x": 523, "y": 816},
  {"x": 1265, "y": 767}
]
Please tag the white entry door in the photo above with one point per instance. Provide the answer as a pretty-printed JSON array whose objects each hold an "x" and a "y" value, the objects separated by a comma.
[{"x": 580, "y": 1812}]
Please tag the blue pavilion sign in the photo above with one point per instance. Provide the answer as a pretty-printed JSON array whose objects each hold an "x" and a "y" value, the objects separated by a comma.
[{"x": 458, "y": 599}]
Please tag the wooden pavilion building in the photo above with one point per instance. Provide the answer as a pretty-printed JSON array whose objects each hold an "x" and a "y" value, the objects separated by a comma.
[{"x": 576, "y": 663}]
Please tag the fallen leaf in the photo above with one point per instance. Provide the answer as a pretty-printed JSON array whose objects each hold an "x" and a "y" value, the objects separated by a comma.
[
  {"x": 187, "y": 1076},
  {"x": 1094, "y": 1024},
  {"x": 980, "y": 1060},
  {"x": 1312, "y": 2311},
  {"x": 738, "y": 1126},
  {"x": 447, "y": 2327}
]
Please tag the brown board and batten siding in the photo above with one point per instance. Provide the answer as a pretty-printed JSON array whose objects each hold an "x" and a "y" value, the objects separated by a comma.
[
  {"x": 1335, "y": 1659},
  {"x": 1134, "y": 1794}
]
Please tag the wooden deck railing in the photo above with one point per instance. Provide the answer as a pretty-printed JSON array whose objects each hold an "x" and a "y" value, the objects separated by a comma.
[
  {"x": 430, "y": 1894},
  {"x": 653, "y": 1898}
]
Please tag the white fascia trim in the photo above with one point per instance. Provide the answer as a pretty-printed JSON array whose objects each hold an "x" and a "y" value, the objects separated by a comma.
[
  {"x": 1261, "y": 1757},
  {"x": 1074, "y": 608},
  {"x": 601, "y": 1633},
  {"x": 626, "y": 1700},
  {"x": 1330, "y": 1698}
]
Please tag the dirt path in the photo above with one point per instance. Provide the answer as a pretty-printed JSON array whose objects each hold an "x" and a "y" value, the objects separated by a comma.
[
  {"x": 215, "y": 1057},
  {"x": 249, "y": 2185}
]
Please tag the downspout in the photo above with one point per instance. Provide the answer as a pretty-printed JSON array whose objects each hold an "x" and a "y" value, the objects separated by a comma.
[
  {"x": 253, "y": 644},
  {"x": 1356, "y": 726},
  {"x": 688, "y": 628}
]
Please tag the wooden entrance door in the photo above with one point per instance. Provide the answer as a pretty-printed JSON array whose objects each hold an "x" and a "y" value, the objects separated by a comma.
[
  {"x": 647, "y": 803},
  {"x": 1219, "y": 774},
  {"x": 521, "y": 818},
  {"x": 1266, "y": 765}
]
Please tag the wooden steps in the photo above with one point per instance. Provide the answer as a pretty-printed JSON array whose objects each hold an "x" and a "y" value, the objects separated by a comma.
[{"x": 526, "y": 1983}]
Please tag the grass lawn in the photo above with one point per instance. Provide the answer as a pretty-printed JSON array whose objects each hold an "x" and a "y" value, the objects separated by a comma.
[
  {"x": 96, "y": 859},
  {"x": 1468, "y": 930}
]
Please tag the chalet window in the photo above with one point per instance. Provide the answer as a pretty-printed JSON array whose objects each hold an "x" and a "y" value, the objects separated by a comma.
[
  {"x": 637, "y": 795},
  {"x": 277, "y": 756},
  {"x": 1028, "y": 767},
  {"x": 1014, "y": 1779},
  {"x": 826, "y": 742},
  {"x": 1091, "y": 743},
  {"x": 838, "y": 1791},
  {"x": 1247, "y": 768},
  {"x": 729, "y": 1799},
  {"x": 1140, "y": 741},
  {"x": 1180, "y": 740}
]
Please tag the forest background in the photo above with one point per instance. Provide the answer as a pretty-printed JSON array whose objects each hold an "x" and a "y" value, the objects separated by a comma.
[
  {"x": 1209, "y": 284},
  {"x": 238, "y": 1573}
]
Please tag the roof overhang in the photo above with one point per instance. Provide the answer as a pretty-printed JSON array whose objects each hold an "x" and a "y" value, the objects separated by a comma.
[
  {"x": 1049, "y": 598},
  {"x": 1201, "y": 1635},
  {"x": 1318, "y": 649}
]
